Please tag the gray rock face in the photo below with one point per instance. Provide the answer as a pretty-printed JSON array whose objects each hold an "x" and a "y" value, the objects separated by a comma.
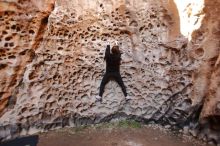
[{"x": 57, "y": 84}]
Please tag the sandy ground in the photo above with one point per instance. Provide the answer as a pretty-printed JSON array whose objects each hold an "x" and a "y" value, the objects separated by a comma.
[{"x": 144, "y": 136}]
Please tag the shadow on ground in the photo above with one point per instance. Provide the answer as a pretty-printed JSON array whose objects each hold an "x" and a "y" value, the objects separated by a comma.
[{"x": 24, "y": 141}]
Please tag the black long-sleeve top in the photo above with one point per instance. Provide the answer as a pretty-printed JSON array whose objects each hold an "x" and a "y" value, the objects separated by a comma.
[{"x": 112, "y": 61}]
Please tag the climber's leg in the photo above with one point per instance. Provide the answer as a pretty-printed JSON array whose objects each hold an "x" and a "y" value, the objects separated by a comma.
[
  {"x": 105, "y": 80},
  {"x": 118, "y": 79}
]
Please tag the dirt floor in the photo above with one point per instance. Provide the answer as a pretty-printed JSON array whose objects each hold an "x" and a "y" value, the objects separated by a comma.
[
  {"x": 115, "y": 136},
  {"x": 122, "y": 133}
]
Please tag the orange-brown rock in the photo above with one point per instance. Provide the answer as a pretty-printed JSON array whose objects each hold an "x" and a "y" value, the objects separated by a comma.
[{"x": 22, "y": 28}]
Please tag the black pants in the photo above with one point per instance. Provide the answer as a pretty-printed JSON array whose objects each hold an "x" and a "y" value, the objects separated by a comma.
[{"x": 112, "y": 76}]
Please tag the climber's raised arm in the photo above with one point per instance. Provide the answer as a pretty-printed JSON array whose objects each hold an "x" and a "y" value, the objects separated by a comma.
[{"x": 107, "y": 51}]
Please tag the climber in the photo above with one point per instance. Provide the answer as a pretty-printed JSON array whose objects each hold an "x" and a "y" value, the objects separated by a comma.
[{"x": 112, "y": 59}]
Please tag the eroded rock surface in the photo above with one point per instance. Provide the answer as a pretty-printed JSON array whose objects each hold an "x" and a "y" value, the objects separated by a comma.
[
  {"x": 22, "y": 26},
  {"x": 52, "y": 62}
]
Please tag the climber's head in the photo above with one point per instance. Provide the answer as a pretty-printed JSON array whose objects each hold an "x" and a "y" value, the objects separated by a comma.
[{"x": 115, "y": 50}]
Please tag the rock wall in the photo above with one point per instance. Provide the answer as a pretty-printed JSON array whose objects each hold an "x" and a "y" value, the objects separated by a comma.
[
  {"x": 203, "y": 34},
  {"x": 206, "y": 46},
  {"x": 21, "y": 30},
  {"x": 52, "y": 62}
]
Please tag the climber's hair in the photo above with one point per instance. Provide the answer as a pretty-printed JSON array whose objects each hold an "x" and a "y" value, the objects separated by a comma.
[{"x": 115, "y": 50}]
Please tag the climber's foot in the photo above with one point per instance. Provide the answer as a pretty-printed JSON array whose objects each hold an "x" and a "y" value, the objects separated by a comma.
[
  {"x": 127, "y": 98},
  {"x": 98, "y": 98}
]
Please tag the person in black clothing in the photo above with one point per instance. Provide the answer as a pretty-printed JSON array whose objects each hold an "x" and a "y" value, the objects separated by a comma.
[{"x": 112, "y": 69}]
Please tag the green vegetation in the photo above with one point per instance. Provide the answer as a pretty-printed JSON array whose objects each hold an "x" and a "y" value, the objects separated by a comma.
[
  {"x": 111, "y": 125},
  {"x": 129, "y": 124},
  {"x": 80, "y": 128}
]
